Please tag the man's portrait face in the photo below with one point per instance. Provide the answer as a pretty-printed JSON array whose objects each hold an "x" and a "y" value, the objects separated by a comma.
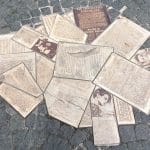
[{"x": 143, "y": 57}]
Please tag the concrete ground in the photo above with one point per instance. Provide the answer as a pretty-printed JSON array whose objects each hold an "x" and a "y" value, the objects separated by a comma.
[{"x": 41, "y": 132}]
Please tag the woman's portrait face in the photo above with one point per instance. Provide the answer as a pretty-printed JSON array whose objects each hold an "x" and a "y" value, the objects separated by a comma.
[
  {"x": 102, "y": 97},
  {"x": 143, "y": 57}
]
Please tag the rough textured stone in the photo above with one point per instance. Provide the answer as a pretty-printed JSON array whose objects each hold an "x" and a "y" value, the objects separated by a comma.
[
  {"x": 43, "y": 3},
  {"x": 135, "y": 146},
  {"x": 35, "y": 12},
  {"x": 146, "y": 145},
  {"x": 142, "y": 132},
  {"x": 120, "y": 147},
  {"x": 127, "y": 133},
  {"x": 46, "y": 10}
]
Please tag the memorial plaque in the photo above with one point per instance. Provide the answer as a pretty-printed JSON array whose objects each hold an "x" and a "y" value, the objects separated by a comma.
[
  {"x": 44, "y": 70},
  {"x": 20, "y": 101},
  {"x": 7, "y": 45},
  {"x": 142, "y": 58},
  {"x": 46, "y": 47},
  {"x": 124, "y": 112},
  {"x": 20, "y": 78},
  {"x": 86, "y": 120},
  {"x": 127, "y": 81},
  {"x": 80, "y": 61},
  {"x": 124, "y": 35},
  {"x": 105, "y": 128},
  {"x": 66, "y": 99},
  {"x": 92, "y": 20},
  {"x": 64, "y": 30},
  {"x": 9, "y": 61}
]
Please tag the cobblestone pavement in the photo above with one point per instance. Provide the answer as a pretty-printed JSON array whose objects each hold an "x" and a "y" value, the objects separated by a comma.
[{"x": 41, "y": 132}]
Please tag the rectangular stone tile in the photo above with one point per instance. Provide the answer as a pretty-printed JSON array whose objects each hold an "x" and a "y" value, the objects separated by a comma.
[
  {"x": 9, "y": 61},
  {"x": 86, "y": 120},
  {"x": 70, "y": 16},
  {"x": 63, "y": 30},
  {"x": 41, "y": 29},
  {"x": 44, "y": 70},
  {"x": 80, "y": 61},
  {"x": 92, "y": 20},
  {"x": 127, "y": 81},
  {"x": 105, "y": 128},
  {"x": 20, "y": 101},
  {"x": 36, "y": 41},
  {"x": 124, "y": 35},
  {"x": 66, "y": 99},
  {"x": 7, "y": 45},
  {"x": 20, "y": 78},
  {"x": 124, "y": 112}
]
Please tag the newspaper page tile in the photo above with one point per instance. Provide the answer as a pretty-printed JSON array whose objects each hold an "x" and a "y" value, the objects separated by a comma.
[
  {"x": 7, "y": 45},
  {"x": 41, "y": 29},
  {"x": 142, "y": 58},
  {"x": 48, "y": 22},
  {"x": 86, "y": 120},
  {"x": 44, "y": 70},
  {"x": 92, "y": 20},
  {"x": 124, "y": 35},
  {"x": 127, "y": 81},
  {"x": 105, "y": 128},
  {"x": 80, "y": 61},
  {"x": 20, "y": 78},
  {"x": 26, "y": 36},
  {"x": 20, "y": 101},
  {"x": 70, "y": 16},
  {"x": 124, "y": 112},
  {"x": 64, "y": 30},
  {"x": 66, "y": 99},
  {"x": 9, "y": 61},
  {"x": 36, "y": 41}
]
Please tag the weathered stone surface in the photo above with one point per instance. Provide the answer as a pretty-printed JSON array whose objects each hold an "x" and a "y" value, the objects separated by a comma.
[
  {"x": 120, "y": 147},
  {"x": 135, "y": 146},
  {"x": 46, "y": 10},
  {"x": 142, "y": 132},
  {"x": 35, "y": 12},
  {"x": 127, "y": 133},
  {"x": 43, "y": 3}
]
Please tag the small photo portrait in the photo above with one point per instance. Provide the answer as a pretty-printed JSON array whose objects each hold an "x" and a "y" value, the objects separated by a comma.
[
  {"x": 143, "y": 58},
  {"x": 45, "y": 47},
  {"x": 101, "y": 103}
]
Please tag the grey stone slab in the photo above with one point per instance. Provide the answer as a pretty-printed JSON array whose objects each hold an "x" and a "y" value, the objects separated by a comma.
[
  {"x": 90, "y": 145},
  {"x": 120, "y": 147},
  {"x": 31, "y": 121},
  {"x": 15, "y": 26},
  {"x": 79, "y": 137},
  {"x": 142, "y": 132},
  {"x": 135, "y": 146},
  {"x": 42, "y": 109},
  {"x": 46, "y": 11},
  {"x": 145, "y": 118},
  {"x": 43, "y": 3},
  {"x": 6, "y": 143},
  {"x": 35, "y": 12},
  {"x": 137, "y": 116},
  {"x": 127, "y": 133},
  {"x": 56, "y": 6},
  {"x": 26, "y": 21},
  {"x": 146, "y": 145}
]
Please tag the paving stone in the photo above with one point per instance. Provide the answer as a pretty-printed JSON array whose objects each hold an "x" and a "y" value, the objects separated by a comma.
[
  {"x": 80, "y": 147},
  {"x": 56, "y": 6},
  {"x": 42, "y": 109},
  {"x": 43, "y": 3},
  {"x": 15, "y": 26},
  {"x": 56, "y": 143},
  {"x": 79, "y": 137},
  {"x": 6, "y": 143},
  {"x": 10, "y": 110},
  {"x": 36, "y": 21},
  {"x": 142, "y": 132},
  {"x": 4, "y": 117},
  {"x": 2, "y": 104},
  {"x": 46, "y": 11},
  {"x": 17, "y": 122},
  {"x": 35, "y": 12},
  {"x": 137, "y": 116},
  {"x": 25, "y": 15},
  {"x": 127, "y": 133},
  {"x": 135, "y": 146},
  {"x": 66, "y": 131},
  {"x": 18, "y": 137},
  {"x": 30, "y": 121},
  {"x": 146, "y": 145},
  {"x": 90, "y": 145},
  {"x": 53, "y": 126},
  {"x": 145, "y": 118},
  {"x": 26, "y": 21},
  {"x": 120, "y": 147}
]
